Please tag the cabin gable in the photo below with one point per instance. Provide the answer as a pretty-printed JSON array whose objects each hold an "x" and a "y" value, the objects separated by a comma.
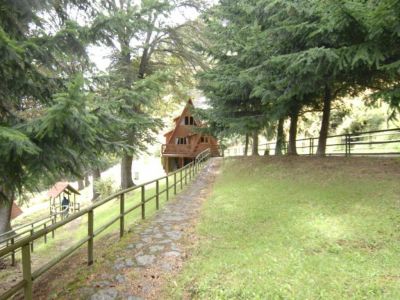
[{"x": 183, "y": 144}]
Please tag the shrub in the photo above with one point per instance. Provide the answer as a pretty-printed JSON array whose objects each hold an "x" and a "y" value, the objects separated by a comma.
[{"x": 105, "y": 187}]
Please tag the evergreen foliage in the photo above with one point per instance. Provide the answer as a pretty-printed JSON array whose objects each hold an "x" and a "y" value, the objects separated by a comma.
[
  {"x": 48, "y": 129},
  {"x": 290, "y": 56}
]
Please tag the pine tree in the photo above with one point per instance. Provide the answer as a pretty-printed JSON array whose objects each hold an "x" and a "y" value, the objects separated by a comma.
[
  {"x": 47, "y": 128},
  {"x": 146, "y": 46}
]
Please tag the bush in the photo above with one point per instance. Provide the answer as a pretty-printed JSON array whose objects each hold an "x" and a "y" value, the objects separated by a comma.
[{"x": 105, "y": 187}]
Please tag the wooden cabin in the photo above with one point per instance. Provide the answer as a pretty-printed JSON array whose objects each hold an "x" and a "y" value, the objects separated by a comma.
[{"x": 183, "y": 144}]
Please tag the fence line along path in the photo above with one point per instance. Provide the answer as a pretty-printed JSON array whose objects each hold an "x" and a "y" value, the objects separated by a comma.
[
  {"x": 163, "y": 186},
  {"x": 153, "y": 255},
  {"x": 367, "y": 143}
]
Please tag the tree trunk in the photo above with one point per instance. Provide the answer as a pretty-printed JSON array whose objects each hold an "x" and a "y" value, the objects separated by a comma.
[
  {"x": 81, "y": 184},
  {"x": 323, "y": 133},
  {"x": 6, "y": 202},
  {"x": 126, "y": 171},
  {"x": 292, "y": 149},
  {"x": 280, "y": 137},
  {"x": 246, "y": 145},
  {"x": 96, "y": 175},
  {"x": 87, "y": 181},
  {"x": 254, "y": 150}
]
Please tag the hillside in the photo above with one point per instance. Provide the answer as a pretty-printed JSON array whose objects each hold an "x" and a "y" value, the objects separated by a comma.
[{"x": 298, "y": 228}]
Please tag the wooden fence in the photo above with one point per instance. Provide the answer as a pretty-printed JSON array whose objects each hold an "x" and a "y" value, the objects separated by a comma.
[
  {"x": 24, "y": 230},
  {"x": 185, "y": 174},
  {"x": 368, "y": 143}
]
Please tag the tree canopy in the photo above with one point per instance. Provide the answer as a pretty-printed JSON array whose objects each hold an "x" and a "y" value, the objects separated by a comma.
[{"x": 290, "y": 56}]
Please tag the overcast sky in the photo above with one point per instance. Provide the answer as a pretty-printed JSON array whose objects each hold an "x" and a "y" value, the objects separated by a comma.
[{"x": 100, "y": 54}]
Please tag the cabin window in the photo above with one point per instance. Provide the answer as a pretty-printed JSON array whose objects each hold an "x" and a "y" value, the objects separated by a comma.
[
  {"x": 189, "y": 120},
  {"x": 181, "y": 140},
  {"x": 204, "y": 139}
]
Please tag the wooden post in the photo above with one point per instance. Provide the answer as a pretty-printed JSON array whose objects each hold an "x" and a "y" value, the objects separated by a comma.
[
  {"x": 32, "y": 240},
  {"x": 52, "y": 223},
  {"x": 349, "y": 143},
  {"x": 12, "y": 253},
  {"x": 181, "y": 179},
  {"x": 122, "y": 215},
  {"x": 26, "y": 271},
  {"x": 190, "y": 171},
  {"x": 312, "y": 146},
  {"x": 347, "y": 150},
  {"x": 157, "y": 195},
  {"x": 167, "y": 190},
  {"x": 175, "y": 183},
  {"x": 45, "y": 235},
  {"x": 143, "y": 204},
  {"x": 90, "y": 234},
  {"x": 186, "y": 176}
]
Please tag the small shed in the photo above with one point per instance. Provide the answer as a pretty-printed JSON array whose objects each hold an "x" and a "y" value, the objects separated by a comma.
[{"x": 60, "y": 190}]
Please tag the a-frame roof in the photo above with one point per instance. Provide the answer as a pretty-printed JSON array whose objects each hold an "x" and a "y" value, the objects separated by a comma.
[
  {"x": 61, "y": 187},
  {"x": 188, "y": 104}
]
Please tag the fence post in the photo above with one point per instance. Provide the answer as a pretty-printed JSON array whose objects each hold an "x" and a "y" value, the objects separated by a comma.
[
  {"x": 167, "y": 190},
  {"x": 349, "y": 142},
  {"x": 175, "y": 183},
  {"x": 143, "y": 203},
  {"x": 347, "y": 145},
  {"x": 12, "y": 253},
  {"x": 157, "y": 195},
  {"x": 181, "y": 179},
  {"x": 53, "y": 221},
  {"x": 31, "y": 231},
  {"x": 26, "y": 271},
  {"x": 190, "y": 171},
  {"x": 45, "y": 235},
  {"x": 90, "y": 234},
  {"x": 311, "y": 152},
  {"x": 122, "y": 215},
  {"x": 185, "y": 175}
]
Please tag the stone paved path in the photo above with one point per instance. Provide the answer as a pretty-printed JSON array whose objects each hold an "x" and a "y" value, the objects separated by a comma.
[{"x": 156, "y": 253}]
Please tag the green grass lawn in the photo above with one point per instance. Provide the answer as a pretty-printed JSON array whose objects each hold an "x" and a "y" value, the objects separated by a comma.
[
  {"x": 107, "y": 212},
  {"x": 71, "y": 233},
  {"x": 298, "y": 228}
]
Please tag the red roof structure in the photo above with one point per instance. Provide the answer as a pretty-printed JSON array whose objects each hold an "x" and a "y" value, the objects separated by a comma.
[
  {"x": 61, "y": 187},
  {"x": 60, "y": 191},
  {"x": 15, "y": 211}
]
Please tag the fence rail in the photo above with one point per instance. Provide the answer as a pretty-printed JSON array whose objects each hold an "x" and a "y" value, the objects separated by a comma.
[
  {"x": 24, "y": 244},
  {"x": 368, "y": 143},
  {"x": 24, "y": 230}
]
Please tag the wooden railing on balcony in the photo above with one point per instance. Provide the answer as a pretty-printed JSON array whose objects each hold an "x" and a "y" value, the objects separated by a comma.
[{"x": 176, "y": 149}]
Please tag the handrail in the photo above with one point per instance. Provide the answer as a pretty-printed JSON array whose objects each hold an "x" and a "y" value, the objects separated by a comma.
[
  {"x": 24, "y": 225},
  {"x": 190, "y": 170},
  {"x": 203, "y": 153},
  {"x": 12, "y": 235}
]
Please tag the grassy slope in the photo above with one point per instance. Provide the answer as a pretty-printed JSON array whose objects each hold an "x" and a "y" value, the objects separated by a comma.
[
  {"x": 71, "y": 233},
  {"x": 299, "y": 228}
]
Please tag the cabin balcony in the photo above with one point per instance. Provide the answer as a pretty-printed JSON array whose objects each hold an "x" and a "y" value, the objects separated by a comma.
[
  {"x": 187, "y": 150},
  {"x": 184, "y": 150}
]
